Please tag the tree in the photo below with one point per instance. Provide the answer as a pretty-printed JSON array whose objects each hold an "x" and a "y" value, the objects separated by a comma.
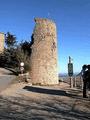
[
  {"x": 23, "y": 57},
  {"x": 25, "y": 46},
  {"x": 14, "y": 53},
  {"x": 10, "y": 40}
]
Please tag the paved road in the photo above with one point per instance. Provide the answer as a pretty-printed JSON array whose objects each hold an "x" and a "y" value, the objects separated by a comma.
[{"x": 5, "y": 78}]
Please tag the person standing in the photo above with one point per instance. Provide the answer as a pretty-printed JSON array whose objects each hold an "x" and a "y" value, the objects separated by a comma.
[{"x": 85, "y": 79}]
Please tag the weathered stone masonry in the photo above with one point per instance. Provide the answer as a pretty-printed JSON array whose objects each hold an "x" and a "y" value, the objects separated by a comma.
[
  {"x": 2, "y": 42},
  {"x": 44, "y": 53}
]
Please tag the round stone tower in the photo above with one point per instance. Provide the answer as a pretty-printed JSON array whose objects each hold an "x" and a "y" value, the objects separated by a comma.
[
  {"x": 2, "y": 37},
  {"x": 44, "y": 53}
]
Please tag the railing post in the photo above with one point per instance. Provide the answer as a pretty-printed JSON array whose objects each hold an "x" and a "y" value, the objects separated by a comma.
[
  {"x": 75, "y": 82},
  {"x": 81, "y": 80},
  {"x": 71, "y": 82}
]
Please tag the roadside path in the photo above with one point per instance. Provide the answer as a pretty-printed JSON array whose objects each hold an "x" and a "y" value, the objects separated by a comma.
[{"x": 6, "y": 78}]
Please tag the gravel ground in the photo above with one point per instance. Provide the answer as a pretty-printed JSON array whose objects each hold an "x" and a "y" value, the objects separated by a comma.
[{"x": 25, "y": 102}]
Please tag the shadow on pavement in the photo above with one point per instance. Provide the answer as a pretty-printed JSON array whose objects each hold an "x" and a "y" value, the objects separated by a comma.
[
  {"x": 74, "y": 94},
  {"x": 45, "y": 91}
]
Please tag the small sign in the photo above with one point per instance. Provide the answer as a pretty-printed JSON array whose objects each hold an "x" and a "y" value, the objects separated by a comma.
[
  {"x": 21, "y": 68},
  {"x": 70, "y": 69}
]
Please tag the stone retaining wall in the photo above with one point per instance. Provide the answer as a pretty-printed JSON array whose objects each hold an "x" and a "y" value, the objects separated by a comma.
[{"x": 1, "y": 42}]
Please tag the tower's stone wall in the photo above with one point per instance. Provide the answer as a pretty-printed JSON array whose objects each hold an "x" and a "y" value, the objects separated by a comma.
[
  {"x": 44, "y": 53},
  {"x": 2, "y": 37}
]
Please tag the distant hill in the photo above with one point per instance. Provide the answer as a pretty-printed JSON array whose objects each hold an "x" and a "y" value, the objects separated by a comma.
[
  {"x": 63, "y": 75},
  {"x": 66, "y": 74}
]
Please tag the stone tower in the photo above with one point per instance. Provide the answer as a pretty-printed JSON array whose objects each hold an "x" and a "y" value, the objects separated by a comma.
[
  {"x": 44, "y": 53},
  {"x": 2, "y": 42}
]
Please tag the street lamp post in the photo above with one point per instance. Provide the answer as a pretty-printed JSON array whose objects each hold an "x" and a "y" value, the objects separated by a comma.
[
  {"x": 21, "y": 70},
  {"x": 22, "y": 67}
]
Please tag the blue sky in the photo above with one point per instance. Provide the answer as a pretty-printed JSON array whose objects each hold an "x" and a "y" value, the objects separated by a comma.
[{"x": 72, "y": 19}]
